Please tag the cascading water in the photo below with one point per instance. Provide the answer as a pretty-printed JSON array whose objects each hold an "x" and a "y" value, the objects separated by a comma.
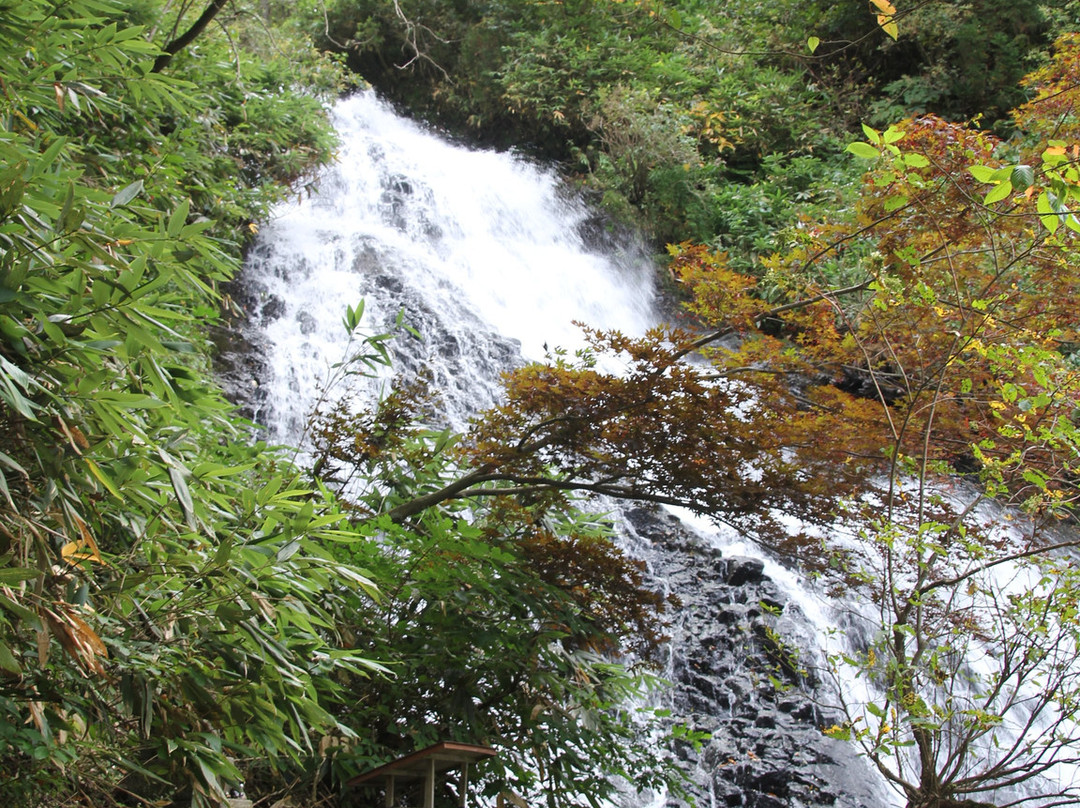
[
  {"x": 491, "y": 262},
  {"x": 485, "y": 255}
]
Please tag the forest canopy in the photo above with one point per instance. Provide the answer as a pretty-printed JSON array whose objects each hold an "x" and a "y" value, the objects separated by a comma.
[{"x": 868, "y": 216}]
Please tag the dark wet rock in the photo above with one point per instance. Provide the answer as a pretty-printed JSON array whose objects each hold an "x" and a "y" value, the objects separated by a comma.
[
  {"x": 239, "y": 369},
  {"x": 307, "y": 322},
  {"x": 742, "y": 670},
  {"x": 271, "y": 309},
  {"x": 742, "y": 571}
]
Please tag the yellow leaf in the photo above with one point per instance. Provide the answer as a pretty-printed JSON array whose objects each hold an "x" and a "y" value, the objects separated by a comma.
[
  {"x": 25, "y": 120},
  {"x": 43, "y": 644},
  {"x": 77, "y": 638},
  {"x": 101, "y": 478},
  {"x": 885, "y": 6},
  {"x": 37, "y": 715},
  {"x": 888, "y": 26},
  {"x": 75, "y": 437},
  {"x": 91, "y": 552},
  {"x": 58, "y": 88}
]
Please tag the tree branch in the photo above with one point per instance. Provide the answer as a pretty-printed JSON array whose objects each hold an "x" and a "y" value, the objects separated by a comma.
[{"x": 189, "y": 36}]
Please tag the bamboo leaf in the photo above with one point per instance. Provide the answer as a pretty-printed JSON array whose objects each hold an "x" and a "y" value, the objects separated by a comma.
[
  {"x": 126, "y": 194},
  {"x": 178, "y": 218},
  {"x": 13, "y": 575},
  {"x": 183, "y": 496},
  {"x": 101, "y": 478},
  {"x": 8, "y": 662}
]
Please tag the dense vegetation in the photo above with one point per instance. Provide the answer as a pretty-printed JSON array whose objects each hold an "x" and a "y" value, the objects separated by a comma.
[{"x": 181, "y": 607}]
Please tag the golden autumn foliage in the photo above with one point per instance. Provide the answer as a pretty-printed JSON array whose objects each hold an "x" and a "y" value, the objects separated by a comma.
[
  {"x": 947, "y": 349},
  {"x": 951, "y": 351}
]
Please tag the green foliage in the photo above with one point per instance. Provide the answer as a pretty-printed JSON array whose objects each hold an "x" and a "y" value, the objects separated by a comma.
[
  {"x": 482, "y": 649},
  {"x": 502, "y": 618},
  {"x": 640, "y": 138},
  {"x": 174, "y": 603},
  {"x": 167, "y": 600},
  {"x": 174, "y": 600},
  {"x": 737, "y": 80},
  {"x": 955, "y": 59},
  {"x": 752, "y": 220}
]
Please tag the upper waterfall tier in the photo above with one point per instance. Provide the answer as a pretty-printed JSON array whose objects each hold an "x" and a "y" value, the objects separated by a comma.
[{"x": 486, "y": 253}]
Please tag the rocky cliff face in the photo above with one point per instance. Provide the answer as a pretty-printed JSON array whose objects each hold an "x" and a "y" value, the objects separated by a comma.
[{"x": 743, "y": 669}]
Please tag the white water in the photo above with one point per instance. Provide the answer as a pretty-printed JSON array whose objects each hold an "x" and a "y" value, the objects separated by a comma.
[{"x": 482, "y": 251}]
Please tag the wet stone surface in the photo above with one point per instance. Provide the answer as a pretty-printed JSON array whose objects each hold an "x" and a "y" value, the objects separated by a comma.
[{"x": 741, "y": 671}]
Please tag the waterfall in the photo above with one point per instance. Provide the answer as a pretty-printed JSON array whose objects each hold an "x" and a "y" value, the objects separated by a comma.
[
  {"x": 488, "y": 257},
  {"x": 491, "y": 261}
]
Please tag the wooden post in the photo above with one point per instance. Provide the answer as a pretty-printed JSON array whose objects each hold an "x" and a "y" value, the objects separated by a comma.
[
  {"x": 464, "y": 786},
  {"x": 429, "y": 784},
  {"x": 390, "y": 791}
]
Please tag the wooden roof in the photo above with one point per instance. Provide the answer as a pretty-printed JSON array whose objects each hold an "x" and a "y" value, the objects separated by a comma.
[{"x": 445, "y": 755}]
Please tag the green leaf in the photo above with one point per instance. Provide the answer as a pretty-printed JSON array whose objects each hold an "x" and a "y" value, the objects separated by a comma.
[
  {"x": 1002, "y": 191},
  {"x": 892, "y": 135},
  {"x": 863, "y": 150},
  {"x": 982, "y": 173},
  {"x": 183, "y": 496},
  {"x": 49, "y": 156},
  {"x": 895, "y": 203},
  {"x": 872, "y": 134},
  {"x": 19, "y": 610},
  {"x": 13, "y": 575},
  {"x": 6, "y": 491},
  {"x": 178, "y": 218},
  {"x": 101, "y": 478},
  {"x": 126, "y": 194},
  {"x": 10, "y": 376},
  {"x": 1050, "y": 220},
  {"x": 812, "y": 43},
  {"x": 1022, "y": 177},
  {"x": 8, "y": 662}
]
